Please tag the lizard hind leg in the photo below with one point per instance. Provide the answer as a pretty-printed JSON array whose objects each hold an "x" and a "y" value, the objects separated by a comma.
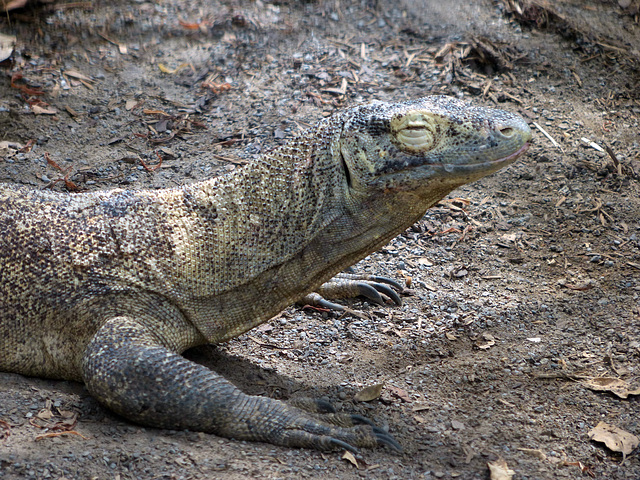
[{"x": 128, "y": 370}]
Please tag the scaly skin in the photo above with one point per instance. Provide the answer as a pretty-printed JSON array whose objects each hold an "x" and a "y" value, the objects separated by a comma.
[{"x": 109, "y": 288}]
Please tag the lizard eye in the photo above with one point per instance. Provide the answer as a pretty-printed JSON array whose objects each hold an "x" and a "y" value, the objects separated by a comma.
[
  {"x": 413, "y": 132},
  {"x": 415, "y": 137}
]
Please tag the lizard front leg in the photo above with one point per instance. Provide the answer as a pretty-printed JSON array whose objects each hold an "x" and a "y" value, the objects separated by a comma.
[
  {"x": 129, "y": 370},
  {"x": 350, "y": 285}
]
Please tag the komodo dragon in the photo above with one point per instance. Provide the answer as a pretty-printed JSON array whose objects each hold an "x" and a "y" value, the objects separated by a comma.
[{"x": 110, "y": 287}]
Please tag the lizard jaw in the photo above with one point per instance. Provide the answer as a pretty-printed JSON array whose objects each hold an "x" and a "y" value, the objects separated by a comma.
[
  {"x": 476, "y": 171},
  {"x": 504, "y": 161},
  {"x": 514, "y": 156}
]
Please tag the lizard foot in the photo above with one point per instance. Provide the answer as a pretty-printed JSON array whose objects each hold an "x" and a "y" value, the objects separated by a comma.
[
  {"x": 380, "y": 290},
  {"x": 328, "y": 431}
]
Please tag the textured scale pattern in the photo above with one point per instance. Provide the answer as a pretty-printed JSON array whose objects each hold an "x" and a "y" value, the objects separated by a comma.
[{"x": 109, "y": 288}]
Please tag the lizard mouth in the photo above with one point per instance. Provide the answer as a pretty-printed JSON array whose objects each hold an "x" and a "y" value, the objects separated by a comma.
[
  {"x": 484, "y": 168},
  {"x": 514, "y": 155},
  {"x": 491, "y": 165}
]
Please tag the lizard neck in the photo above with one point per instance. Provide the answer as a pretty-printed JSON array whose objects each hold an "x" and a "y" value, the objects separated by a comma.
[{"x": 240, "y": 240}]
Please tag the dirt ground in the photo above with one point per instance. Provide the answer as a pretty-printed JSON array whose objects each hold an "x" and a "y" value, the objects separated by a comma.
[{"x": 523, "y": 288}]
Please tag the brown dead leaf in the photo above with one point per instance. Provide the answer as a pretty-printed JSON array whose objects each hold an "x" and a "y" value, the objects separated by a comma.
[
  {"x": 5, "y": 430},
  {"x": 76, "y": 74},
  {"x": 535, "y": 452},
  {"x": 400, "y": 393},
  {"x": 616, "y": 439},
  {"x": 130, "y": 104},
  {"x": 370, "y": 393},
  {"x": 7, "y": 147},
  {"x": 59, "y": 434},
  {"x": 583, "y": 468},
  {"x": 616, "y": 386},
  {"x": 164, "y": 69},
  {"x": 39, "y": 110},
  {"x": 45, "y": 414},
  {"x": 499, "y": 470},
  {"x": 7, "y": 42},
  {"x": 349, "y": 457},
  {"x": 190, "y": 25},
  {"x": 487, "y": 342}
]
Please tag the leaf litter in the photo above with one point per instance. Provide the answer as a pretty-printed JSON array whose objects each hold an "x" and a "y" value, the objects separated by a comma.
[{"x": 616, "y": 439}]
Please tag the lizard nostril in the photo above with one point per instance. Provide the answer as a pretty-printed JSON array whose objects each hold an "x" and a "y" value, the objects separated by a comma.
[{"x": 507, "y": 131}]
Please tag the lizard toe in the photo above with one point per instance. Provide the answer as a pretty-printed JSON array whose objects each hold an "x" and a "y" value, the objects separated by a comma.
[
  {"x": 317, "y": 300},
  {"x": 388, "y": 291},
  {"x": 340, "y": 444},
  {"x": 348, "y": 285},
  {"x": 361, "y": 420},
  {"x": 388, "y": 281},
  {"x": 370, "y": 292},
  {"x": 385, "y": 438}
]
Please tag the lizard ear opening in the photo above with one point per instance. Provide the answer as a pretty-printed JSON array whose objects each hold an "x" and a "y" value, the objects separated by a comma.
[{"x": 345, "y": 167}]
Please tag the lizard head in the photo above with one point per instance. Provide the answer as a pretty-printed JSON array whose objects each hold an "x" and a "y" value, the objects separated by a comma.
[{"x": 429, "y": 146}]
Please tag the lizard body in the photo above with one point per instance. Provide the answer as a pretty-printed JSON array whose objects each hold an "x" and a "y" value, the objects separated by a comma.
[{"x": 110, "y": 287}]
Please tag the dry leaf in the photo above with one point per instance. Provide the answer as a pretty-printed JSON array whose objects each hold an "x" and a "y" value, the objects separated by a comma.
[
  {"x": 499, "y": 470},
  {"x": 164, "y": 69},
  {"x": 536, "y": 452},
  {"x": 583, "y": 468},
  {"x": 76, "y": 74},
  {"x": 616, "y": 439},
  {"x": 45, "y": 414},
  {"x": 348, "y": 456},
  {"x": 450, "y": 336},
  {"x": 7, "y": 42},
  {"x": 9, "y": 147},
  {"x": 489, "y": 341},
  {"x": 610, "y": 384},
  {"x": 38, "y": 110},
  {"x": 400, "y": 393},
  {"x": 369, "y": 393}
]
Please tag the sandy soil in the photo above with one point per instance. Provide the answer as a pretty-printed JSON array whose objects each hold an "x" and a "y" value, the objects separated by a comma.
[{"x": 523, "y": 287}]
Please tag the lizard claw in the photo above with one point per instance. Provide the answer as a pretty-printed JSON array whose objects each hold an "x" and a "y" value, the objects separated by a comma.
[
  {"x": 382, "y": 438},
  {"x": 360, "y": 420},
  {"x": 370, "y": 292},
  {"x": 388, "y": 440},
  {"x": 376, "y": 297},
  {"x": 388, "y": 281},
  {"x": 345, "y": 445},
  {"x": 317, "y": 300}
]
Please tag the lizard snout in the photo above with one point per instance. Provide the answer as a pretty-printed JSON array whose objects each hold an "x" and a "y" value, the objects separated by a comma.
[{"x": 514, "y": 127}]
